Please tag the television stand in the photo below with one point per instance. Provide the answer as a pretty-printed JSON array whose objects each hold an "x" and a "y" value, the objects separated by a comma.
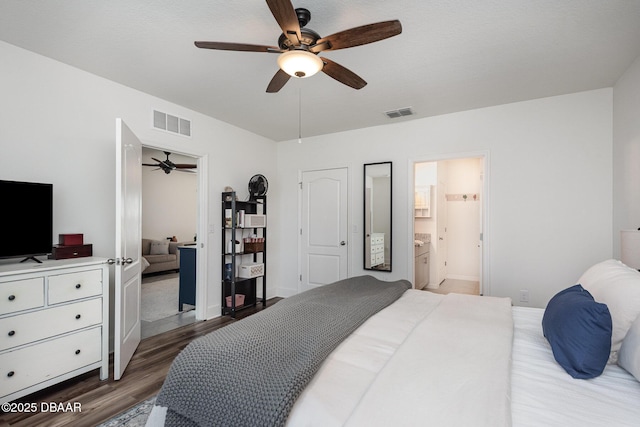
[{"x": 33, "y": 258}]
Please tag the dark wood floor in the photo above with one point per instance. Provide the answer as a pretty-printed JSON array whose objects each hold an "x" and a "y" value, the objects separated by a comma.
[{"x": 102, "y": 400}]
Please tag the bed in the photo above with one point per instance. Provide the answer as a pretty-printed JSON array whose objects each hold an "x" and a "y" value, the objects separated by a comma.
[{"x": 419, "y": 358}]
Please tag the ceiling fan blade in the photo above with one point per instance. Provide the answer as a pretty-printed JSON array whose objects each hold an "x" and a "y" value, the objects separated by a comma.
[
  {"x": 185, "y": 166},
  {"x": 358, "y": 36},
  {"x": 242, "y": 47},
  {"x": 342, "y": 74},
  {"x": 278, "y": 81},
  {"x": 149, "y": 164},
  {"x": 287, "y": 18}
]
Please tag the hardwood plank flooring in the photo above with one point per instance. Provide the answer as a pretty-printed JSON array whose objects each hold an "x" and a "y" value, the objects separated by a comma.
[{"x": 102, "y": 400}]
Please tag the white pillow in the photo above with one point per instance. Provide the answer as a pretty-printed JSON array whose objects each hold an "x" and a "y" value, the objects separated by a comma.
[
  {"x": 618, "y": 286},
  {"x": 159, "y": 247},
  {"x": 629, "y": 355}
]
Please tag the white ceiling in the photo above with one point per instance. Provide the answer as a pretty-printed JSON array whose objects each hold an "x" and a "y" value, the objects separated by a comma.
[{"x": 452, "y": 55}]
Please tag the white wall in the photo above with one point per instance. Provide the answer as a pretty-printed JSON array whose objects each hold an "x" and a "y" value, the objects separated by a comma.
[
  {"x": 169, "y": 201},
  {"x": 550, "y": 201},
  {"x": 626, "y": 154},
  {"x": 57, "y": 124}
]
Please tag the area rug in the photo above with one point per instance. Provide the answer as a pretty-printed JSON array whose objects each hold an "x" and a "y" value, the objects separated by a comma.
[
  {"x": 134, "y": 417},
  {"x": 159, "y": 299}
]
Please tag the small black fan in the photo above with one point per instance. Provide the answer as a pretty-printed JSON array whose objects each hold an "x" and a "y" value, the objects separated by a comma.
[{"x": 258, "y": 186}]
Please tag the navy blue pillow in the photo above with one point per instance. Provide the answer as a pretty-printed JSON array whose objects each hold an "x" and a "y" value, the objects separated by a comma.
[{"x": 579, "y": 331}]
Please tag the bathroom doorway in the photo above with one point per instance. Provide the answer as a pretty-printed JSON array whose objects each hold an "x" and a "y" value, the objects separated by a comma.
[{"x": 449, "y": 223}]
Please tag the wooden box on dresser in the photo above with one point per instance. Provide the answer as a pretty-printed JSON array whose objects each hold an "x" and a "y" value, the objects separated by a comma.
[{"x": 54, "y": 323}]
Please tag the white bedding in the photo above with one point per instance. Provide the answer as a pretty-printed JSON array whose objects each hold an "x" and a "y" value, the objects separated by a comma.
[
  {"x": 543, "y": 394},
  {"x": 417, "y": 362},
  {"x": 399, "y": 368}
]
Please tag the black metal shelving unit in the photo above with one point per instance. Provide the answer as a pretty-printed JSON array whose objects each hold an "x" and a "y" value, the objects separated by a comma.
[{"x": 232, "y": 230}]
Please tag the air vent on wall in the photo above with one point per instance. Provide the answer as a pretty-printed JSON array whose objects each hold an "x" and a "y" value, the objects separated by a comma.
[
  {"x": 171, "y": 123},
  {"x": 399, "y": 112}
]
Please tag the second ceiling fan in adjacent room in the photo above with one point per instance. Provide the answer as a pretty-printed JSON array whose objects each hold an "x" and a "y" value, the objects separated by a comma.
[{"x": 167, "y": 165}]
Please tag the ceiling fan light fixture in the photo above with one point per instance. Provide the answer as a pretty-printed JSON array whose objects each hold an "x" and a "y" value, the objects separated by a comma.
[{"x": 300, "y": 63}]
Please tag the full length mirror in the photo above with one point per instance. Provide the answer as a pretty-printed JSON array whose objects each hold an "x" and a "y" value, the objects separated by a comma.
[{"x": 377, "y": 216}]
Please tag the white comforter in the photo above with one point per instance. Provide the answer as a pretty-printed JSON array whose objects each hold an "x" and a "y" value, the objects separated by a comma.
[
  {"x": 543, "y": 394},
  {"x": 427, "y": 359}
]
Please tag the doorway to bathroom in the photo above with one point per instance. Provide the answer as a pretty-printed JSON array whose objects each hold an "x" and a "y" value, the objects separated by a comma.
[{"x": 449, "y": 224}]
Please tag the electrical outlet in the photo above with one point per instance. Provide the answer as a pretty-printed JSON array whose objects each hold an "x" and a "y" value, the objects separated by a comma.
[{"x": 524, "y": 295}]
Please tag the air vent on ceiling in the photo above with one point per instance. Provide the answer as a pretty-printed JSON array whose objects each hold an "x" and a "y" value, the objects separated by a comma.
[
  {"x": 164, "y": 121},
  {"x": 399, "y": 112}
]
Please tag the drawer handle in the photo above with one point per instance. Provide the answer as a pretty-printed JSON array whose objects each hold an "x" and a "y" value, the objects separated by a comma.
[
  {"x": 78, "y": 286},
  {"x": 78, "y": 316},
  {"x": 77, "y": 351},
  {"x": 12, "y": 297},
  {"x": 11, "y": 373},
  {"x": 12, "y": 333}
]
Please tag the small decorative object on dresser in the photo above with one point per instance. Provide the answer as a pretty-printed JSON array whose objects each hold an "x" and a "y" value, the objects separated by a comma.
[
  {"x": 70, "y": 239},
  {"x": 71, "y": 246},
  {"x": 72, "y": 251}
]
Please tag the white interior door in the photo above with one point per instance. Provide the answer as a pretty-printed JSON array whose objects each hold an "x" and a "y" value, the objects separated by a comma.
[
  {"x": 128, "y": 246},
  {"x": 324, "y": 246},
  {"x": 441, "y": 219},
  {"x": 481, "y": 227}
]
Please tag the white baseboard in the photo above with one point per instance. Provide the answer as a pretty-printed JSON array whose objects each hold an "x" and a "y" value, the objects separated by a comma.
[
  {"x": 461, "y": 277},
  {"x": 285, "y": 292}
]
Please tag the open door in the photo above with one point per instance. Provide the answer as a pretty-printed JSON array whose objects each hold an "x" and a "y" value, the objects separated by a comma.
[
  {"x": 128, "y": 246},
  {"x": 441, "y": 219}
]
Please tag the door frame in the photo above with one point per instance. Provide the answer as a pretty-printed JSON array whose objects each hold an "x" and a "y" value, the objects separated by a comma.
[
  {"x": 202, "y": 160},
  {"x": 350, "y": 234},
  {"x": 484, "y": 273}
]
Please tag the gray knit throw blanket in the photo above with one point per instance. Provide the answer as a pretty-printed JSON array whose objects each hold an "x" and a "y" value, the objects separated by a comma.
[{"x": 251, "y": 372}]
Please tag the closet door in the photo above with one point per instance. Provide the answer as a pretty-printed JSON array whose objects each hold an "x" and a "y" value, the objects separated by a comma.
[{"x": 324, "y": 225}]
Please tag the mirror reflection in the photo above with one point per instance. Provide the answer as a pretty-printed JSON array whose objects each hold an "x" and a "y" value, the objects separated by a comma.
[{"x": 377, "y": 216}]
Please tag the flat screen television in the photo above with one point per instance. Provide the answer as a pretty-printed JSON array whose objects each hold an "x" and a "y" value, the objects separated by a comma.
[{"x": 27, "y": 218}]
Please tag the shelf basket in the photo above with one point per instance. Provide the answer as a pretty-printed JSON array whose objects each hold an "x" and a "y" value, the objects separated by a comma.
[
  {"x": 250, "y": 248},
  {"x": 239, "y": 300}
]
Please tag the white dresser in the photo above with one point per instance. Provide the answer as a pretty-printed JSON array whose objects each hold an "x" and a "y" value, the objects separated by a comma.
[
  {"x": 54, "y": 323},
  {"x": 376, "y": 251}
]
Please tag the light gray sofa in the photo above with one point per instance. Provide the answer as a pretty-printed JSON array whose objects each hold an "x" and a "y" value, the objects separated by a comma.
[{"x": 161, "y": 261}]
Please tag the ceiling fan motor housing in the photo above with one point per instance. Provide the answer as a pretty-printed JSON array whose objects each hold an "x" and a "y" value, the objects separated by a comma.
[{"x": 309, "y": 37}]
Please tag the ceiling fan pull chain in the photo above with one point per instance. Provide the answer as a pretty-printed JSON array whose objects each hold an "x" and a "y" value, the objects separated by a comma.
[{"x": 299, "y": 113}]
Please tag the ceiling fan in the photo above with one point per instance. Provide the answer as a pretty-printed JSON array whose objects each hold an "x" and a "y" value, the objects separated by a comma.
[
  {"x": 167, "y": 165},
  {"x": 299, "y": 46}
]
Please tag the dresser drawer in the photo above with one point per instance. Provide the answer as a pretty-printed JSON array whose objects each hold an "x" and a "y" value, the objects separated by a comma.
[
  {"x": 25, "y": 328},
  {"x": 20, "y": 295},
  {"x": 32, "y": 365},
  {"x": 72, "y": 286}
]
